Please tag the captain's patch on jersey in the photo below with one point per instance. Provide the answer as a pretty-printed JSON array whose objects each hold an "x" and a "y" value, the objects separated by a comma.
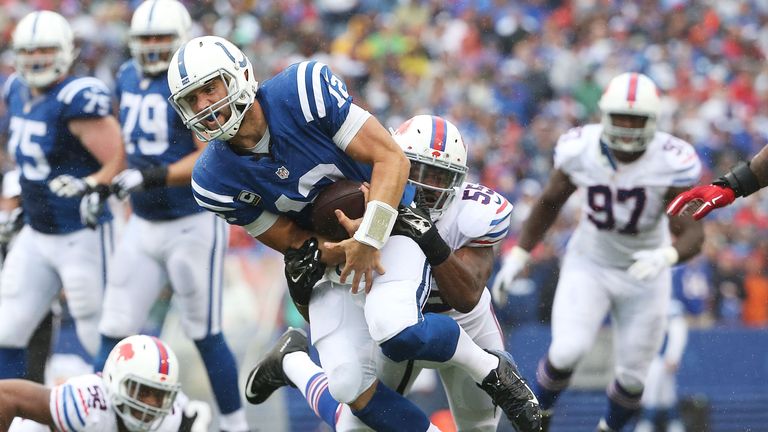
[{"x": 248, "y": 197}]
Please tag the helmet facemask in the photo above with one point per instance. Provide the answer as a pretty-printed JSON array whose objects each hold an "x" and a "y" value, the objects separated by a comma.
[
  {"x": 435, "y": 183},
  {"x": 153, "y": 55},
  {"x": 142, "y": 404},
  {"x": 44, "y": 46},
  {"x": 233, "y": 100},
  {"x": 625, "y": 138}
]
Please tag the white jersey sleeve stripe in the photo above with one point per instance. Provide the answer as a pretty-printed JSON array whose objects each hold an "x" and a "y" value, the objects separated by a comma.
[
  {"x": 301, "y": 82},
  {"x": 204, "y": 204},
  {"x": 356, "y": 118},
  {"x": 224, "y": 199},
  {"x": 317, "y": 90},
  {"x": 70, "y": 90}
]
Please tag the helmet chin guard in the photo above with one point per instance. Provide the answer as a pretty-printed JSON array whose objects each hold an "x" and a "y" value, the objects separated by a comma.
[{"x": 630, "y": 94}]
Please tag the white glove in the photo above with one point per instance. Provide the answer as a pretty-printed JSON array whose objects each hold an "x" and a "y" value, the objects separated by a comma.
[
  {"x": 199, "y": 413},
  {"x": 68, "y": 186},
  {"x": 126, "y": 182},
  {"x": 513, "y": 263},
  {"x": 649, "y": 263},
  {"x": 10, "y": 223}
]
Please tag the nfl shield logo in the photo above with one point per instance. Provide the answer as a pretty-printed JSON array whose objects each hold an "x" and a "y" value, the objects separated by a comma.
[{"x": 282, "y": 172}]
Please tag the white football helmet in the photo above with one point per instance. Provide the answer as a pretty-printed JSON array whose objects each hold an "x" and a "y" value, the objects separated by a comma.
[
  {"x": 43, "y": 29},
  {"x": 198, "y": 62},
  {"x": 158, "y": 18},
  {"x": 629, "y": 94},
  {"x": 438, "y": 160},
  {"x": 141, "y": 375}
]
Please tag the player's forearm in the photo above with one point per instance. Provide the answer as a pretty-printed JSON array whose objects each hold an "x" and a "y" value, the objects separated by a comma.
[
  {"x": 759, "y": 166},
  {"x": 25, "y": 399},
  {"x": 388, "y": 179},
  {"x": 541, "y": 218},
  {"x": 458, "y": 286},
  {"x": 180, "y": 172},
  {"x": 689, "y": 237}
]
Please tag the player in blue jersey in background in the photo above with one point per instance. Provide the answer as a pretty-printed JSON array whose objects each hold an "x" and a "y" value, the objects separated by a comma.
[
  {"x": 285, "y": 140},
  {"x": 66, "y": 144},
  {"x": 168, "y": 237}
]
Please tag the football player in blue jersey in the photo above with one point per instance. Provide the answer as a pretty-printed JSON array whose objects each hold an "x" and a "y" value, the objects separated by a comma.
[
  {"x": 66, "y": 144},
  {"x": 168, "y": 236},
  {"x": 281, "y": 143}
]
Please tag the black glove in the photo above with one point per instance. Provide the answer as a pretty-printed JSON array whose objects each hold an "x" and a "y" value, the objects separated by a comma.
[
  {"x": 302, "y": 270},
  {"x": 416, "y": 224},
  {"x": 12, "y": 225},
  {"x": 92, "y": 205}
]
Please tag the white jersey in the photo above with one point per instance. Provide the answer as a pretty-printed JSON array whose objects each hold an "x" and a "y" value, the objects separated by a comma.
[
  {"x": 476, "y": 217},
  {"x": 81, "y": 404},
  {"x": 623, "y": 206}
]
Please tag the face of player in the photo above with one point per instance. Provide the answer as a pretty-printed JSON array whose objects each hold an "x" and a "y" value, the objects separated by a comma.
[
  {"x": 211, "y": 97},
  {"x": 627, "y": 121},
  {"x": 434, "y": 181},
  {"x": 155, "y": 48},
  {"x": 37, "y": 59}
]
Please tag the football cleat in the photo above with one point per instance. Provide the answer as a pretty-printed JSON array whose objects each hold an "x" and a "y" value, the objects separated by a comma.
[
  {"x": 268, "y": 375},
  {"x": 509, "y": 391}
]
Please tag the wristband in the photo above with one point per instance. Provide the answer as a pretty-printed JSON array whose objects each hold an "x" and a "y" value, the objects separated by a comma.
[
  {"x": 434, "y": 247},
  {"x": 741, "y": 179},
  {"x": 378, "y": 220},
  {"x": 155, "y": 176}
]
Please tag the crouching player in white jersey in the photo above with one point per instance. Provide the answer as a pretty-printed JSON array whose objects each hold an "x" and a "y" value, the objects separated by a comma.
[
  {"x": 618, "y": 259},
  {"x": 285, "y": 140},
  {"x": 168, "y": 236},
  {"x": 139, "y": 390},
  {"x": 67, "y": 147},
  {"x": 471, "y": 219}
]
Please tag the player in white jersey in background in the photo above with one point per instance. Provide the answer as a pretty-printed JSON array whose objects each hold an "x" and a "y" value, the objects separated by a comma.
[
  {"x": 472, "y": 220},
  {"x": 139, "y": 390},
  {"x": 67, "y": 146},
  {"x": 284, "y": 140},
  {"x": 660, "y": 395},
  {"x": 168, "y": 238},
  {"x": 619, "y": 257}
]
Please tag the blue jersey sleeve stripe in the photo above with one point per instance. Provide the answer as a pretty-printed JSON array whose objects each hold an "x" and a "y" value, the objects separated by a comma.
[
  {"x": 301, "y": 83},
  {"x": 75, "y": 405},
  {"x": 497, "y": 233},
  {"x": 223, "y": 199},
  {"x": 317, "y": 89},
  {"x": 71, "y": 90},
  {"x": 59, "y": 406},
  {"x": 502, "y": 219},
  {"x": 66, "y": 406}
]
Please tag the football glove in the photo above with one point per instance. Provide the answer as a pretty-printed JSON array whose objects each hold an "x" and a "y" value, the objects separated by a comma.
[
  {"x": 196, "y": 417},
  {"x": 132, "y": 180},
  {"x": 649, "y": 263},
  {"x": 302, "y": 270},
  {"x": 701, "y": 200},
  {"x": 92, "y": 205},
  {"x": 513, "y": 264},
  {"x": 67, "y": 186},
  {"x": 415, "y": 223},
  {"x": 12, "y": 222}
]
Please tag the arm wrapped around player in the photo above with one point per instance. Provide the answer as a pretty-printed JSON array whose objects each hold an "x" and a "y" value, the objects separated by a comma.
[
  {"x": 416, "y": 224},
  {"x": 740, "y": 181},
  {"x": 134, "y": 180},
  {"x": 302, "y": 270}
]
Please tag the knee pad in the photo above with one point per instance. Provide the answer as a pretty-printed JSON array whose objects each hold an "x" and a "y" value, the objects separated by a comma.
[
  {"x": 564, "y": 355},
  {"x": 433, "y": 339},
  {"x": 345, "y": 382}
]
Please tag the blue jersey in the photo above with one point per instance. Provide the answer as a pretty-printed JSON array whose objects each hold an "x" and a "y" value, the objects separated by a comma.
[
  {"x": 153, "y": 135},
  {"x": 44, "y": 148},
  {"x": 306, "y": 109}
]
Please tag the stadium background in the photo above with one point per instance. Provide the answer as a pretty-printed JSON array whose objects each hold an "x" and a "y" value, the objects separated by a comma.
[{"x": 512, "y": 76}]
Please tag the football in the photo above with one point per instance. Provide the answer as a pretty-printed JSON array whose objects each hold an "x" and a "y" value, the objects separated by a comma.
[{"x": 344, "y": 195}]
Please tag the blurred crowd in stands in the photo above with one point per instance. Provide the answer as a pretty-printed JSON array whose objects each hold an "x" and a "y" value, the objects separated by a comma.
[{"x": 513, "y": 76}]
